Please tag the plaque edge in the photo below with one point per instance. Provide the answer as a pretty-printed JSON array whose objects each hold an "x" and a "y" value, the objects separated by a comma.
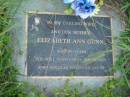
[{"x": 65, "y": 77}]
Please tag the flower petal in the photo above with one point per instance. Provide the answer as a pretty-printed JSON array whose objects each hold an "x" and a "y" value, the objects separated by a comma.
[
  {"x": 68, "y": 1},
  {"x": 92, "y": 1},
  {"x": 82, "y": 15},
  {"x": 84, "y": 8}
]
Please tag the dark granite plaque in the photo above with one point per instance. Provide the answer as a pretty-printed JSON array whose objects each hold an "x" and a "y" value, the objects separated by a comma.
[{"x": 63, "y": 45}]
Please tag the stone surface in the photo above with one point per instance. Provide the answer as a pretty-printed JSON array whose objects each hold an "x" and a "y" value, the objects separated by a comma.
[{"x": 56, "y": 6}]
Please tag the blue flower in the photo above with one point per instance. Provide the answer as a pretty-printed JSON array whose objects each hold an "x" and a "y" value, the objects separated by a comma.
[
  {"x": 68, "y": 1},
  {"x": 84, "y": 8}
]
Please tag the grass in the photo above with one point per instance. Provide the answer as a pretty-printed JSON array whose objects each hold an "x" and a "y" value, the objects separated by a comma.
[
  {"x": 11, "y": 87},
  {"x": 124, "y": 43},
  {"x": 8, "y": 70}
]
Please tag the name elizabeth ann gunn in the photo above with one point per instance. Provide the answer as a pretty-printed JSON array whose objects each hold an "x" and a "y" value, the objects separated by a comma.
[{"x": 70, "y": 32}]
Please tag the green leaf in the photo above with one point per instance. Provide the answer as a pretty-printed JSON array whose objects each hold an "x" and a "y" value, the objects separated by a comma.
[{"x": 69, "y": 11}]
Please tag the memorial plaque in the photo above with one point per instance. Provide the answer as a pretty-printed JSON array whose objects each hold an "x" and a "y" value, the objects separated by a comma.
[{"x": 64, "y": 45}]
